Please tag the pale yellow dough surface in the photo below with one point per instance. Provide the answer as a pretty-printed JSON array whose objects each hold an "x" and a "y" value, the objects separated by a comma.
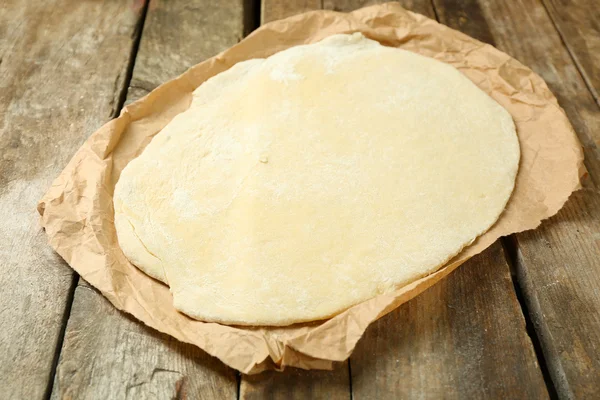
[{"x": 297, "y": 186}]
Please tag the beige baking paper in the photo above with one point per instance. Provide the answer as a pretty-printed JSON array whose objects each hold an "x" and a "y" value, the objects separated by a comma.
[{"x": 77, "y": 212}]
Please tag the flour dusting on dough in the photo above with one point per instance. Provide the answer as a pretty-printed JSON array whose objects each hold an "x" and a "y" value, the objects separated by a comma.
[
  {"x": 184, "y": 204},
  {"x": 284, "y": 73}
]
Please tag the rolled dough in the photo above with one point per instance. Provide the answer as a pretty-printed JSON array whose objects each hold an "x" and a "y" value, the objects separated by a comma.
[{"x": 299, "y": 185}]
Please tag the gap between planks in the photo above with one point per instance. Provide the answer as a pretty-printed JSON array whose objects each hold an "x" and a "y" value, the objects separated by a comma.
[
  {"x": 139, "y": 29},
  {"x": 61, "y": 335},
  {"x": 252, "y": 19},
  {"x": 509, "y": 244},
  {"x": 163, "y": 54},
  {"x": 283, "y": 11},
  {"x": 561, "y": 369},
  {"x": 580, "y": 67},
  {"x": 75, "y": 280}
]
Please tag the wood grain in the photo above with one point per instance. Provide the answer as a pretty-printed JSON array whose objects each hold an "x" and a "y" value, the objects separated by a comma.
[
  {"x": 272, "y": 10},
  {"x": 178, "y": 34},
  {"x": 463, "y": 338},
  {"x": 62, "y": 64},
  {"x": 466, "y": 17},
  {"x": 298, "y": 384},
  {"x": 577, "y": 21},
  {"x": 418, "y": 6},
  {"x": 559, "y": 270},
  {"x": 558, "y": 264},
  {"x": 107, "y": 354}
]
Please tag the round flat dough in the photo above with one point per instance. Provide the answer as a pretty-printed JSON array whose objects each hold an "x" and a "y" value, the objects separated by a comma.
[{"x": 299, "y": 185}]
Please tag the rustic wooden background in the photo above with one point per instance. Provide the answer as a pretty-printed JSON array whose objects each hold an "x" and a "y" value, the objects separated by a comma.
[{"x": 521, "y": 320}]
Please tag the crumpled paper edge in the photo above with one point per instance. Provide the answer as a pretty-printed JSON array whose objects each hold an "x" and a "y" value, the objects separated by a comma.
[{"x": 78, "y": 216}]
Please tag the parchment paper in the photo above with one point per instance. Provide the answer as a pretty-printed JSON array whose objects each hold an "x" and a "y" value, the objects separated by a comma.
[{"x": 77, "y": 212}]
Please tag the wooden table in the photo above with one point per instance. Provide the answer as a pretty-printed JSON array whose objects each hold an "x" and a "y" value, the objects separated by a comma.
[{"x": 521, "y": 320}]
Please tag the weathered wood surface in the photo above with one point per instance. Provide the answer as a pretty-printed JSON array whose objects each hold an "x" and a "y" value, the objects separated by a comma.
[
  {"x": 107, "y": 354},
  {"x": 272, "y": 10},
  {"x": 297, "y": 384},
  {"x": 558, "y": 264},
  {"x": 577, "y": 23},
  {"x": 110, "y": 355},
  {"x": 178, "y": 34},
  {"x": 419, "y": 6},
  {"x": 559, "y": 271},
  {"x": 62, "y": 65},
  {"x": 463, "y": 338}
]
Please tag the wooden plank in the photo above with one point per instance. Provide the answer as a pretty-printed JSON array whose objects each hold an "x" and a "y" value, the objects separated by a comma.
[
  {"x": 495, "y": 355},
  {"x": 418, "y": 6},
  {"x": 466, "y": 17},
  {"x": 272, "y": 10},
  {"x": 106, "y": 353},
  {"x": 577, "y": 23},
  {"x": 558, "y": 268},
  {"x": 294, "y": 383},
  {"x": 298, "y": 384},
  {"x": 110, "y": 355},
  {"x": 463, "y": 338},
  {"x": 557, "y": 264},
  {"x": 179, "y": 34},
  {"x": 62, "y": 64}
]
